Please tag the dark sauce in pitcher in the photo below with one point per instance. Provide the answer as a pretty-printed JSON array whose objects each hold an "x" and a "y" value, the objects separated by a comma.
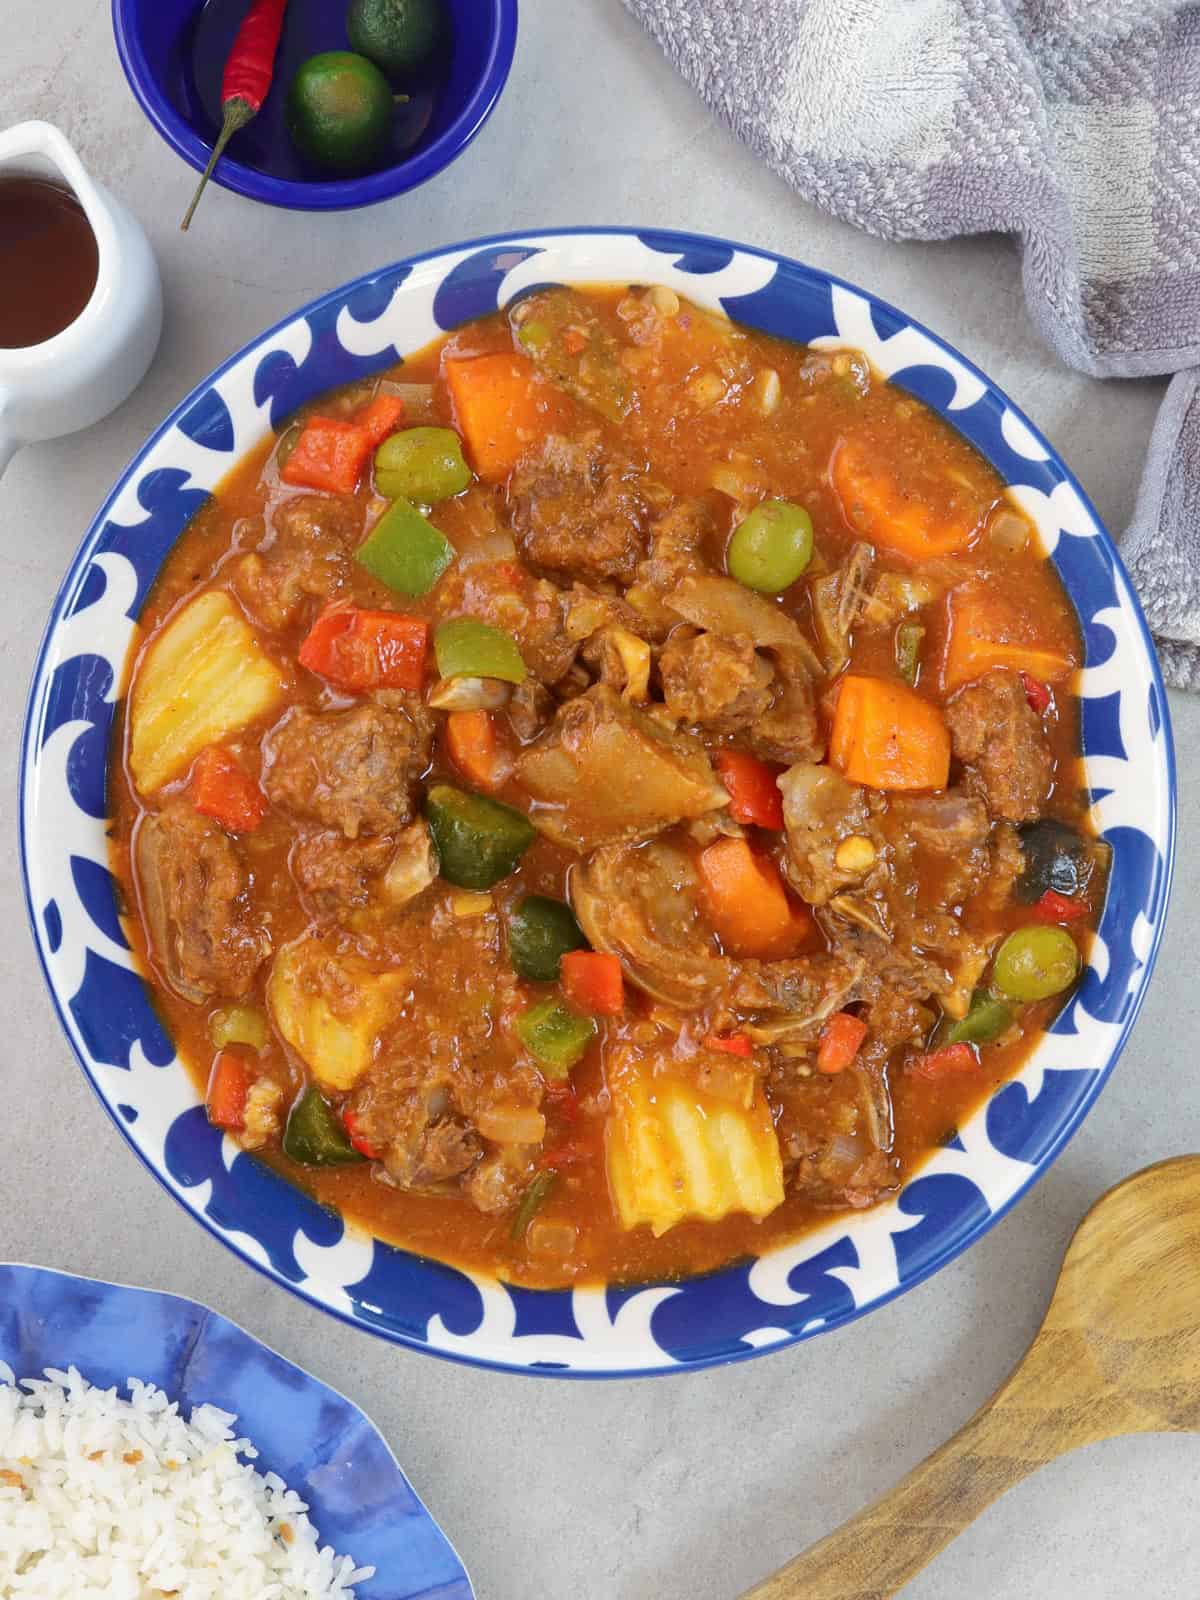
[{"x": 48, "y": 260}]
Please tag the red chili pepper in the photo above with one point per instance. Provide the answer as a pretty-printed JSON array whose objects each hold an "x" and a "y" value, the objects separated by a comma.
[
  {"x": 350, "y": 1121},
  {"x": 249, "y": 68},
  {"x": 1055, "y": 907},
  {"x": 1037, "y": 693},
  {"x": 733, "y": 1044}
]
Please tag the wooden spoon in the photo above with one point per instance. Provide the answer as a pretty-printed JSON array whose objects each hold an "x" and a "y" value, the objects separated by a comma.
[{"x": 1119, "y": 1352}]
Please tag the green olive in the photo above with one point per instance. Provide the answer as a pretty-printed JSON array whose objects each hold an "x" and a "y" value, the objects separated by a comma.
[
  {"x": 771, "y": 547},
  {"x": 421, "y": 464},
  {"x": 1036, "y": 962}
]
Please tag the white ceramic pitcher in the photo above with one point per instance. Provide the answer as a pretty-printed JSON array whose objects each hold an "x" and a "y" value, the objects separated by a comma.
[{"x": 84, "y": 372}]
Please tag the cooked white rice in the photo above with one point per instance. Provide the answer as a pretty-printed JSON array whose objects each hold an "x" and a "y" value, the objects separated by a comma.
[{"x": 101, "y": 1496}]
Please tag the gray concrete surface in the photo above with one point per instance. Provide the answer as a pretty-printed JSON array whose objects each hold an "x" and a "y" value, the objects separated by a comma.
[{"x": 679, "y": 1489}]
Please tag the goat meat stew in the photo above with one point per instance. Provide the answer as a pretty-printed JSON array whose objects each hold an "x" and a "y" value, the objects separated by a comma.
[{"x": 605, "y": 794}]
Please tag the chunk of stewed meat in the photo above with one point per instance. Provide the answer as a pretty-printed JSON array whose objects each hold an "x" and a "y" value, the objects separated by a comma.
[
  {"x": 194, "y": 887},
  {"x": 302, "y": 558},
  {"x": 821, "y": 810},
  {"x": 788, "y": 730},
  {"x": 336, "y": 874},
  {"x": 720, "y": 684},
  {"x": 1002, "y": 744},
  {"x": 350, "y": 770},
  {"x": 677, "y": 541},
  {"x": 577, "y": 513},
  {"x": 441, "y": 1151},
  {"x": 406, "y": 1115}
]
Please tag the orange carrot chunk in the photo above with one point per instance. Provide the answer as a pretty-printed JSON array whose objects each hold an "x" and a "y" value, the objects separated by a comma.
[
  {"x": 473, "y": 747},
  {"x": 983, "y": 633},
  {"x": 839, "y": 1042},
  {"x": 500, "y": 407},
  {"x": 892, "y": 514},
  {"x": 887, "y": 736},
  {"x": 747, "y": 903},
  {"x": 592, "y": 982},
  {"x": 221, "y": 789},
  {"x": 228, "y": 1085}
]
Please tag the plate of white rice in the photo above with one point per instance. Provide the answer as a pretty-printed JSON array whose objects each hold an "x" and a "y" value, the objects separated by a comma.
[{"x": 210, "y": 1468}]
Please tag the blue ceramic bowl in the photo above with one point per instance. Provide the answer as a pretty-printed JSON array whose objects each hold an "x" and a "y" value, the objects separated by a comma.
[
  {"x": 824, "y": 1279},
  {"x": 314, "y": 1438},
  {"x": 173, "y": 53}
]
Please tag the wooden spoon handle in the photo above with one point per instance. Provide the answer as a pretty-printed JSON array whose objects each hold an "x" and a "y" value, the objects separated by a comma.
[{"x": 877, "y": 1552}]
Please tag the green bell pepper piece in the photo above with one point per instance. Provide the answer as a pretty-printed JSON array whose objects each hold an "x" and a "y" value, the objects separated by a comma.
[
  {"x": 314, "y": 1135},
  {"x": 239, "y": 1025},
  {"x": 405, "y": 550},
  {"x": 555, "y": 1037},
  {"x": 465, "y": 648},
  {"x": 423, "y": 464},
  {"x": 909, "y": 638},
  {"x": 479, "y": 841},
  {"x": 540, "y": 932},
  {"x": 987, "y": 1019},
  {"x": 532, "y": 1201}
]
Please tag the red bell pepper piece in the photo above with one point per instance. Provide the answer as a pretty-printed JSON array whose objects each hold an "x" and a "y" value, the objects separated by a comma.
[
  {"x": 358, "y": 650},
  {"x": 592, "y": 982},
  {"x": 350, "y": 1121},
  {"x": 1037, "y": 693},
  {"x": 329, "y": 455},
  {"x": 839, "y": 1042},
  {"x": 381, "y": 418},
  {"x": 221, "y": 789},
  {"x": 228, "y": 1085},
  {"x": 730, "y": 1044},
  {"x": 950, "y": 1058},
  {"x": 753, "y": 793},
  {"x": 1055, "y": 907}
]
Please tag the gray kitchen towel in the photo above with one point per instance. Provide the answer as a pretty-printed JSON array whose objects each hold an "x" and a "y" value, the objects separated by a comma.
[{"x": 1074, "y": 124}]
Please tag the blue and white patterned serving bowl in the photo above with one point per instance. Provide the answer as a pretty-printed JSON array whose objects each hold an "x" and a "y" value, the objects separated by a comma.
[
  {"x": 828, "y": 1277},
  {"x": 317, "y": 1441}
]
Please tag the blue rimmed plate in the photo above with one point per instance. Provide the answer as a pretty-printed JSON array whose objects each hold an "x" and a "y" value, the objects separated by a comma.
[
  {"x": 828, "y": 1277},
  {"x": 316, "y": 1440}
]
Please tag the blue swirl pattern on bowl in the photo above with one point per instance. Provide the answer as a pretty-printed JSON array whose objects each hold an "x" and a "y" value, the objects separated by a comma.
[
  {"x": 317, "y": 1441},
  {"x": 828, "y": 1277}
]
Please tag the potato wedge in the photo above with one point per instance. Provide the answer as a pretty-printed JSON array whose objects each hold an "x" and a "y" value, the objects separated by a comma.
[
  {"x": 201, "y": 678},
  {"x": 673, "y": 1152},
  {"x": 330, "y": 1009}
]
